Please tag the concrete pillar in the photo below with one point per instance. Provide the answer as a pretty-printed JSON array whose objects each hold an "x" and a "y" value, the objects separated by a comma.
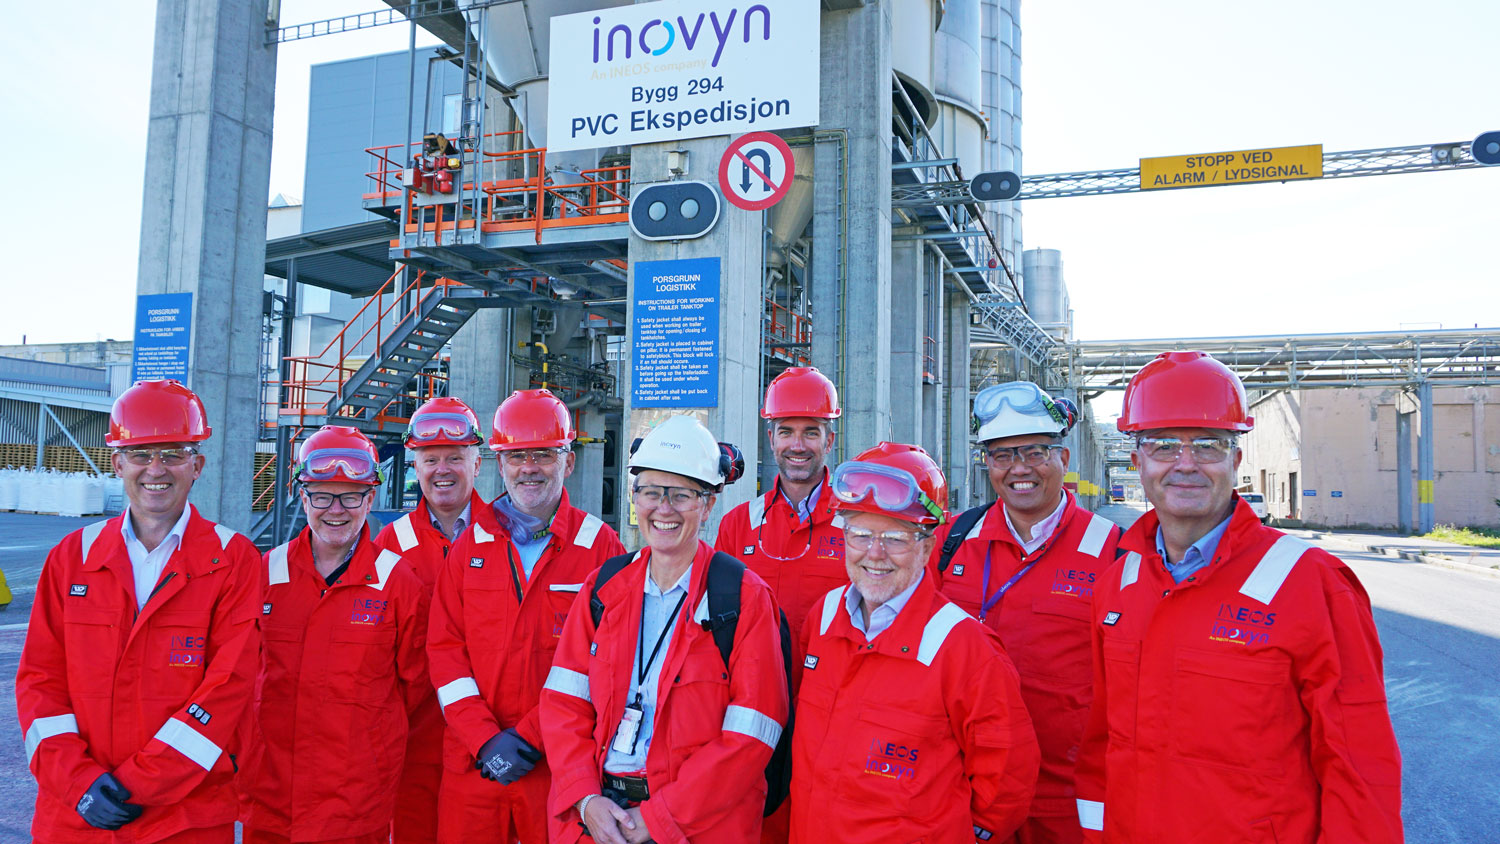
[
  {"x": 479, "y": 372},
  {"x": 1403, "y": 468},
  {"x": 203, "y": 218},
  {"x": 737, "y": 240},
  {"x": 586, "y": 485},
  {"x": 851, "y": 278},
  {"x": 955, "y": 387},
  {"x": 908, "y": 260},
  {"x": 1426, "y": 473}
]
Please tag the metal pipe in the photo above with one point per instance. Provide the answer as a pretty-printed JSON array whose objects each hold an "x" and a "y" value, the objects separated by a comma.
[
  {"x": 1403, "y": 468},
  {"x": 69, "y": 435},
  {"x": 1425, "y": 474}
]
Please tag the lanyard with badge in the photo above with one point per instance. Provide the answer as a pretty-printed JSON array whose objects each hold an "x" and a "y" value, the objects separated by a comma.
[
  {"x": 635, "y": 711},
  {"x": 988, "y": 603}
]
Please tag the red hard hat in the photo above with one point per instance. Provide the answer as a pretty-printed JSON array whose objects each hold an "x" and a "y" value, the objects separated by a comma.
[
  {"x": 338, "y": 454},
  {"x": 1185, "y": 390},
  {"x": 531, "y": 419},
  {"x": 443, "y": 421},
  {"x": 895, "y": 480},
  {"x": 801, "y": 391},
  {"x": 157, "y": 412}
]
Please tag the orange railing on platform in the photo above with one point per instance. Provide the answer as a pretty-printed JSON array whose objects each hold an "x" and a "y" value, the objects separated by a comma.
[
  {"x": 314, "y": 380},
  {"x": 528, "y": 203},
  {"x": 790, "y": 327}
]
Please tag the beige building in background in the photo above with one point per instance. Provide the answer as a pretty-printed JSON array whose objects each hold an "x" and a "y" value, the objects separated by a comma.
[{"x": 1328, "y": 456}]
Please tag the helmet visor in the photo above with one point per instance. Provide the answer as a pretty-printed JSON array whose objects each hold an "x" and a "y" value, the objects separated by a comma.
[
  {"x": 893, "y": 490},
  {"x": 427, "y": 427},
  {"x": 326, "y": 464}
]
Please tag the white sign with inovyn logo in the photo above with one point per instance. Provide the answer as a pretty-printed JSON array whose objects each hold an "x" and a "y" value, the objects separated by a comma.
[{"x": 680, "y": 69}]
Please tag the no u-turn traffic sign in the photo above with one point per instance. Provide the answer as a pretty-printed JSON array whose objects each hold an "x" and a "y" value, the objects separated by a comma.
[{"x": 756, "y": 171}]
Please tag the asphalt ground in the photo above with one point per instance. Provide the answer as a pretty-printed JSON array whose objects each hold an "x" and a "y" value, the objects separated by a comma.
[{"x": 1439, "y": 628}]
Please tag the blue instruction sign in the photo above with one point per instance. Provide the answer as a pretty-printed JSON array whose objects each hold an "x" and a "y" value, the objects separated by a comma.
[
  {"x": 1309, "y": 493},
  {"x": 163, "y": 327},
  {"x": 674, "y": 335},
  {"x": 1338, "y": 493}
]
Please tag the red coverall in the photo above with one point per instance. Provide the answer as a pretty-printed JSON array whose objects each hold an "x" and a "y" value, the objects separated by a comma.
[
  {"x": 1043, "y": 622},
  {"x": 423, "y": 548},
  {"x": 1245, "y": 704},
  {"x": 492, "y": 635},
  {"x": 800, "y": 561},
  {"x": 714, "y": 729},
  {"x": 155, "y": 697},
  {"x": 342, "y": 668},
  {"x": 920, "y": 735}
]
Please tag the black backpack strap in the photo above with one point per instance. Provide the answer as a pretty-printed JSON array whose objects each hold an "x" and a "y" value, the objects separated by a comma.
[
  {"x": 611, "y": 567},
  {"x": 961, "y": 527},
  {"x": 724, "y": 575}
]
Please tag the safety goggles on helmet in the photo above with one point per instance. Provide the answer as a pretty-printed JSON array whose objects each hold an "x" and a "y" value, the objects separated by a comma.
[
  {"x": 1023, "y": 397},
  {"x": 327, "y": 464},
  {"x": 437, "y": 425},
  {"x": 893, "y": 490}
]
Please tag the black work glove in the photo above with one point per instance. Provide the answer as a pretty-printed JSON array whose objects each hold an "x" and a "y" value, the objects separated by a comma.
[
  {"x": 104, "y": 806},
  {"x": 506, "y": 757}
]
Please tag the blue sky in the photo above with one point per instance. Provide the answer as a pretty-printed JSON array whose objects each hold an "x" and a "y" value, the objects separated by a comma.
[{"x": 1104, "y": 83}]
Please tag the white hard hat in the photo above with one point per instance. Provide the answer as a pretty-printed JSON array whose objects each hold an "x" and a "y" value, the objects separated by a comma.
[
  {"x": 1017, "y": 408},
  {"x": 682, "y": 446}
]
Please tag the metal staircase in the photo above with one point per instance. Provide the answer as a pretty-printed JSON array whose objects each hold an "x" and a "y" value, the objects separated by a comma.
[{"x": 385, "y": 375}]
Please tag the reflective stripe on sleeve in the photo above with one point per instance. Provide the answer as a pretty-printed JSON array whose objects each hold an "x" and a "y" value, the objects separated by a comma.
[
  {"x": 44, "y": 728},
  {"x": 830, "y": 608},
  {"x": 1273, "y": 568},
  {"x": 1091, "y": 814},
  {"x": 588, "y": 531},
  {"x": 1094, "y": 538},
  {"x": 276, "y": 565},
  {"x": 746, "y": 721},
  {"x": 406, "y": 535},
  {"x": 457, "y": 690},
  {"x": 190, "y": 743},
  {"x": 936, "y": 632},
  {"x": 1131, "y": 570},
  {"x": 568, "y": 682}
]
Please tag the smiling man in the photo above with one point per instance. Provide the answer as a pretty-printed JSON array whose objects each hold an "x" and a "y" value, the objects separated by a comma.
[
  {"x": 1026, "y": 568},
  {"x": 498, "y": 609},
  {"x": 343, "y": 666},
  {"x": 140, "y": 656},
  {"x": 444, "y": 436},
  {"x": 1239, "y": 691},
  {"x": 910, "y": 724},
  {"x": 789, "y": 536}
]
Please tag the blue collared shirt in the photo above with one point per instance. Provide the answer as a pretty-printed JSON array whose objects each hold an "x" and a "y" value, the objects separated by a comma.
[
  {"x": 804, "y": 508},
  {"x": 656, "y": 608},
  {"x": 883, "y": 616},
  {"x": 458, "y": 524},
  {"x": 527, "y": 533},
  {"x": 1198, "y": 555}
]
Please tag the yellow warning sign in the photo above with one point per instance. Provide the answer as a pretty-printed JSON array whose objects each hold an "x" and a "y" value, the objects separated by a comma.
[{"x": 1232, "y": 168}]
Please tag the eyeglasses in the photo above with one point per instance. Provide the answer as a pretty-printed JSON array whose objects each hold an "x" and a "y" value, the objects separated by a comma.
[
  {"x": 1032, "y": 455},
  {"x": 327, "y": 463},
  {"x": 895, "y": 490},
  {"x": 1203, "y": 449},
  {"x": 170, "y": 457},
  {"x": 678, "y": 497},
  {"x": 434, "y": 425},
  {"x": 539, "y": 456},
  {"x": 347, "y": 500},
  {"x": 893, "y": 541}
]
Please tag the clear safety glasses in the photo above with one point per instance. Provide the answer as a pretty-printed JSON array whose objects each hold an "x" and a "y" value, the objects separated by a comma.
[
  {"x": 325, "y": 464},
  {"x": 894, "y": 490},
  {"x": 1021, "y": 396},
  {"x": 427, "y": 427},
  {"x": 1202, "y": 449}
]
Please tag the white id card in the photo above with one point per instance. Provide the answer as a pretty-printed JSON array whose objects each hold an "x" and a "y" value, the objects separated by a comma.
[{"x": 630, "y": 729}]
